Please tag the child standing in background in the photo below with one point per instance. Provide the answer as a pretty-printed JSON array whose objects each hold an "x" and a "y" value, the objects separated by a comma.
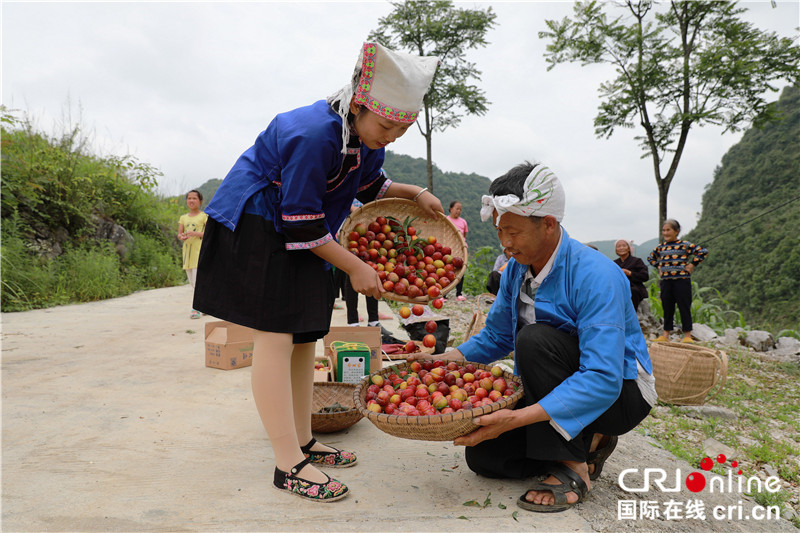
[
  {"x": 671, "y": 258},
  {"x": 190, "y": 230}
]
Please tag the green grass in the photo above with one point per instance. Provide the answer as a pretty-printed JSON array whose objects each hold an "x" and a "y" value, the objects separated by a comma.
[{"x": 766, "y": 400}]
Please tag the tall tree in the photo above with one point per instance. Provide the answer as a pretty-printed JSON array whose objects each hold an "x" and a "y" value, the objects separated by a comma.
[
  {"x": 436, "y": 28},
  {"x": 690, "y": 63}
]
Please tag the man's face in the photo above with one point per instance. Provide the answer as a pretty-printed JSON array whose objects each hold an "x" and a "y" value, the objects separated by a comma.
[{"x": 528, "y": 240}]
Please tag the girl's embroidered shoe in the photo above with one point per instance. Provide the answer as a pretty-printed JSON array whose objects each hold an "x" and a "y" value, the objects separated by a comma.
[
  {"x": 337, "y": 459},
  {"x": 330, "y": 491}
]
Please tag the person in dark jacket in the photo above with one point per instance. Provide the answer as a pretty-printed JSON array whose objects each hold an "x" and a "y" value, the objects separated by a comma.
[{"x": 634, "y": 268}]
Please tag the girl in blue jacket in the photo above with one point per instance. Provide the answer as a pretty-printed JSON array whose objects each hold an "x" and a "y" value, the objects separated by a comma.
[{"x": 270, "y": 242}]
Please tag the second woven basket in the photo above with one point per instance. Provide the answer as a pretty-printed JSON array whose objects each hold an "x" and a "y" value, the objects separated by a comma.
[{"x": 686, "y": 373}]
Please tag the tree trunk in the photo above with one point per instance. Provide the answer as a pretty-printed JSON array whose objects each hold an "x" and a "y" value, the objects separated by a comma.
[
  {"x": 428, "y": 134},
  {"x": 663, "y": 190},
  {"x": 430, "y": 163}
]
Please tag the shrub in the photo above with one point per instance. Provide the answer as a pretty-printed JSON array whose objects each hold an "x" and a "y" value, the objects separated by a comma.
[
  {"x": 89, "y": 274},
  {"x": 27, "y": 280},
  {"x": 478, "y": 269},
  {"x": 152, "y": 264}
]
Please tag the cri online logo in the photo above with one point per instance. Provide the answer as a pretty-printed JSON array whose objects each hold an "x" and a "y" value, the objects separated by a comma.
[{"x": 696, "y": 481}]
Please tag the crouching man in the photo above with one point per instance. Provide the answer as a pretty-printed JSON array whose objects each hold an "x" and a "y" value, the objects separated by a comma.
[{"x": 564, "y": 309}]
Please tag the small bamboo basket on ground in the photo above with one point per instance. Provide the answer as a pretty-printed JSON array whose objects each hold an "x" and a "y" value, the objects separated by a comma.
[
  {"x": 327, "y": 393},
  {"x": 478, "y": 320},
  {"x": 435, "y": 427},
  {"x": 399, "y": 209},
  {"x": 685, "y": 373}
]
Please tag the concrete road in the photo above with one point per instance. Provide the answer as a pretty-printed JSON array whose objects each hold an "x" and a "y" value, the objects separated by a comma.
[{"x": 111, "y": 422}]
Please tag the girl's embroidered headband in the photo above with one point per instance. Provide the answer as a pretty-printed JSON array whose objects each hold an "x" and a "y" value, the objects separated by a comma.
[{"x": 388, "y": 83}]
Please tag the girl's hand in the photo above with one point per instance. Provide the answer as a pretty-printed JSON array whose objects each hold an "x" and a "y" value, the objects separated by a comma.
[
  {"x": 365, "y": 280},
  {"x": 627, "y": 272},
  {"x": 690, "y": 268},
  {"x": 430, "y": 204}
]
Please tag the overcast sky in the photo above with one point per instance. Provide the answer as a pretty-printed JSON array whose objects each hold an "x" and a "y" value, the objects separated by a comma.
[{"x": 187, "y": 86}]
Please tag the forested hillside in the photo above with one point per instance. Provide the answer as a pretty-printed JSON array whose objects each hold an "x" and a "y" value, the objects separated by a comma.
[{"x": 756, "y": 264}]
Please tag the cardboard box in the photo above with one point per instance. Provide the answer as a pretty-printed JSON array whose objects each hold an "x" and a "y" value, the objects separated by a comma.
[
  {"x": 228, "y": 345},
  {"x": 325, "y": 374},
  {"x": 370, "y": 335},
  {"x": 352, "y": 361}
]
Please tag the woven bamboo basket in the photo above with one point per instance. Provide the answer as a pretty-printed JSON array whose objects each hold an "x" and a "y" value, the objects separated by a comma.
[
  {"x": 400, "y": 208},
  {"x": 435, "y": 427},
  {"x": 327, "y": 393},
  {"x": 478, "y": 320},
  {"x": 685, "y": 373}
]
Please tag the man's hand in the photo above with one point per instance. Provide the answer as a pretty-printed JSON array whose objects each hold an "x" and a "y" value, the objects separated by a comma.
[{"x": 491, "y": 426}]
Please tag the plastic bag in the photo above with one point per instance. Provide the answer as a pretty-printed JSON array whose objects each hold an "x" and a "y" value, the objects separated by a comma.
[{"x": 416, "y": 332}]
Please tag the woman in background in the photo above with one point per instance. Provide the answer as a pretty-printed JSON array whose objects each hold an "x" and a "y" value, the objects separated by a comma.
[
  {"x": 461, "y": 225},
  {"x": 634, "y": 268}
]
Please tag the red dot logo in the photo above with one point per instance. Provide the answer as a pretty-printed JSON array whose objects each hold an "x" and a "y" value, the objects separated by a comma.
[
  {"x": 707, "y": 464},
  {"x": 721, "y": 458},
  {"x": 734, "y": 464},
  {"x": 695, "y": 482}
]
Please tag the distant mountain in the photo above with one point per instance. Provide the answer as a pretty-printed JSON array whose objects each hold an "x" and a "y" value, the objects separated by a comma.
[
  {"x": 750, "y": 222},
  {"x": 208, "y": 189},
  {"x": 448, "y": 187}
]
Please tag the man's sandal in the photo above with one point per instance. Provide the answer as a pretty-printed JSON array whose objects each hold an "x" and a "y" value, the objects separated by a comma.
[
  {"x": 599, "y": 456},
  {"x": 335, "y": 459},
  {"x": 570, "y": 482},
  {"x": 330, "y": 491}
]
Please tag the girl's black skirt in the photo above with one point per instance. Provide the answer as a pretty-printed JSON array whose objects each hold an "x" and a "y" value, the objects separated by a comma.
[{"x": 248, "y": 277}]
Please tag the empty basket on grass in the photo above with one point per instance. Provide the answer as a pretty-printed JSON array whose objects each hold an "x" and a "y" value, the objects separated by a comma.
[
  {"x": 326, "y": 394},
  {"x": 400, "y": 208},
  {"x": 686, "y": 373},
  {"x": 478, "y": 320},
  {"x": 433, "y": 427}
]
